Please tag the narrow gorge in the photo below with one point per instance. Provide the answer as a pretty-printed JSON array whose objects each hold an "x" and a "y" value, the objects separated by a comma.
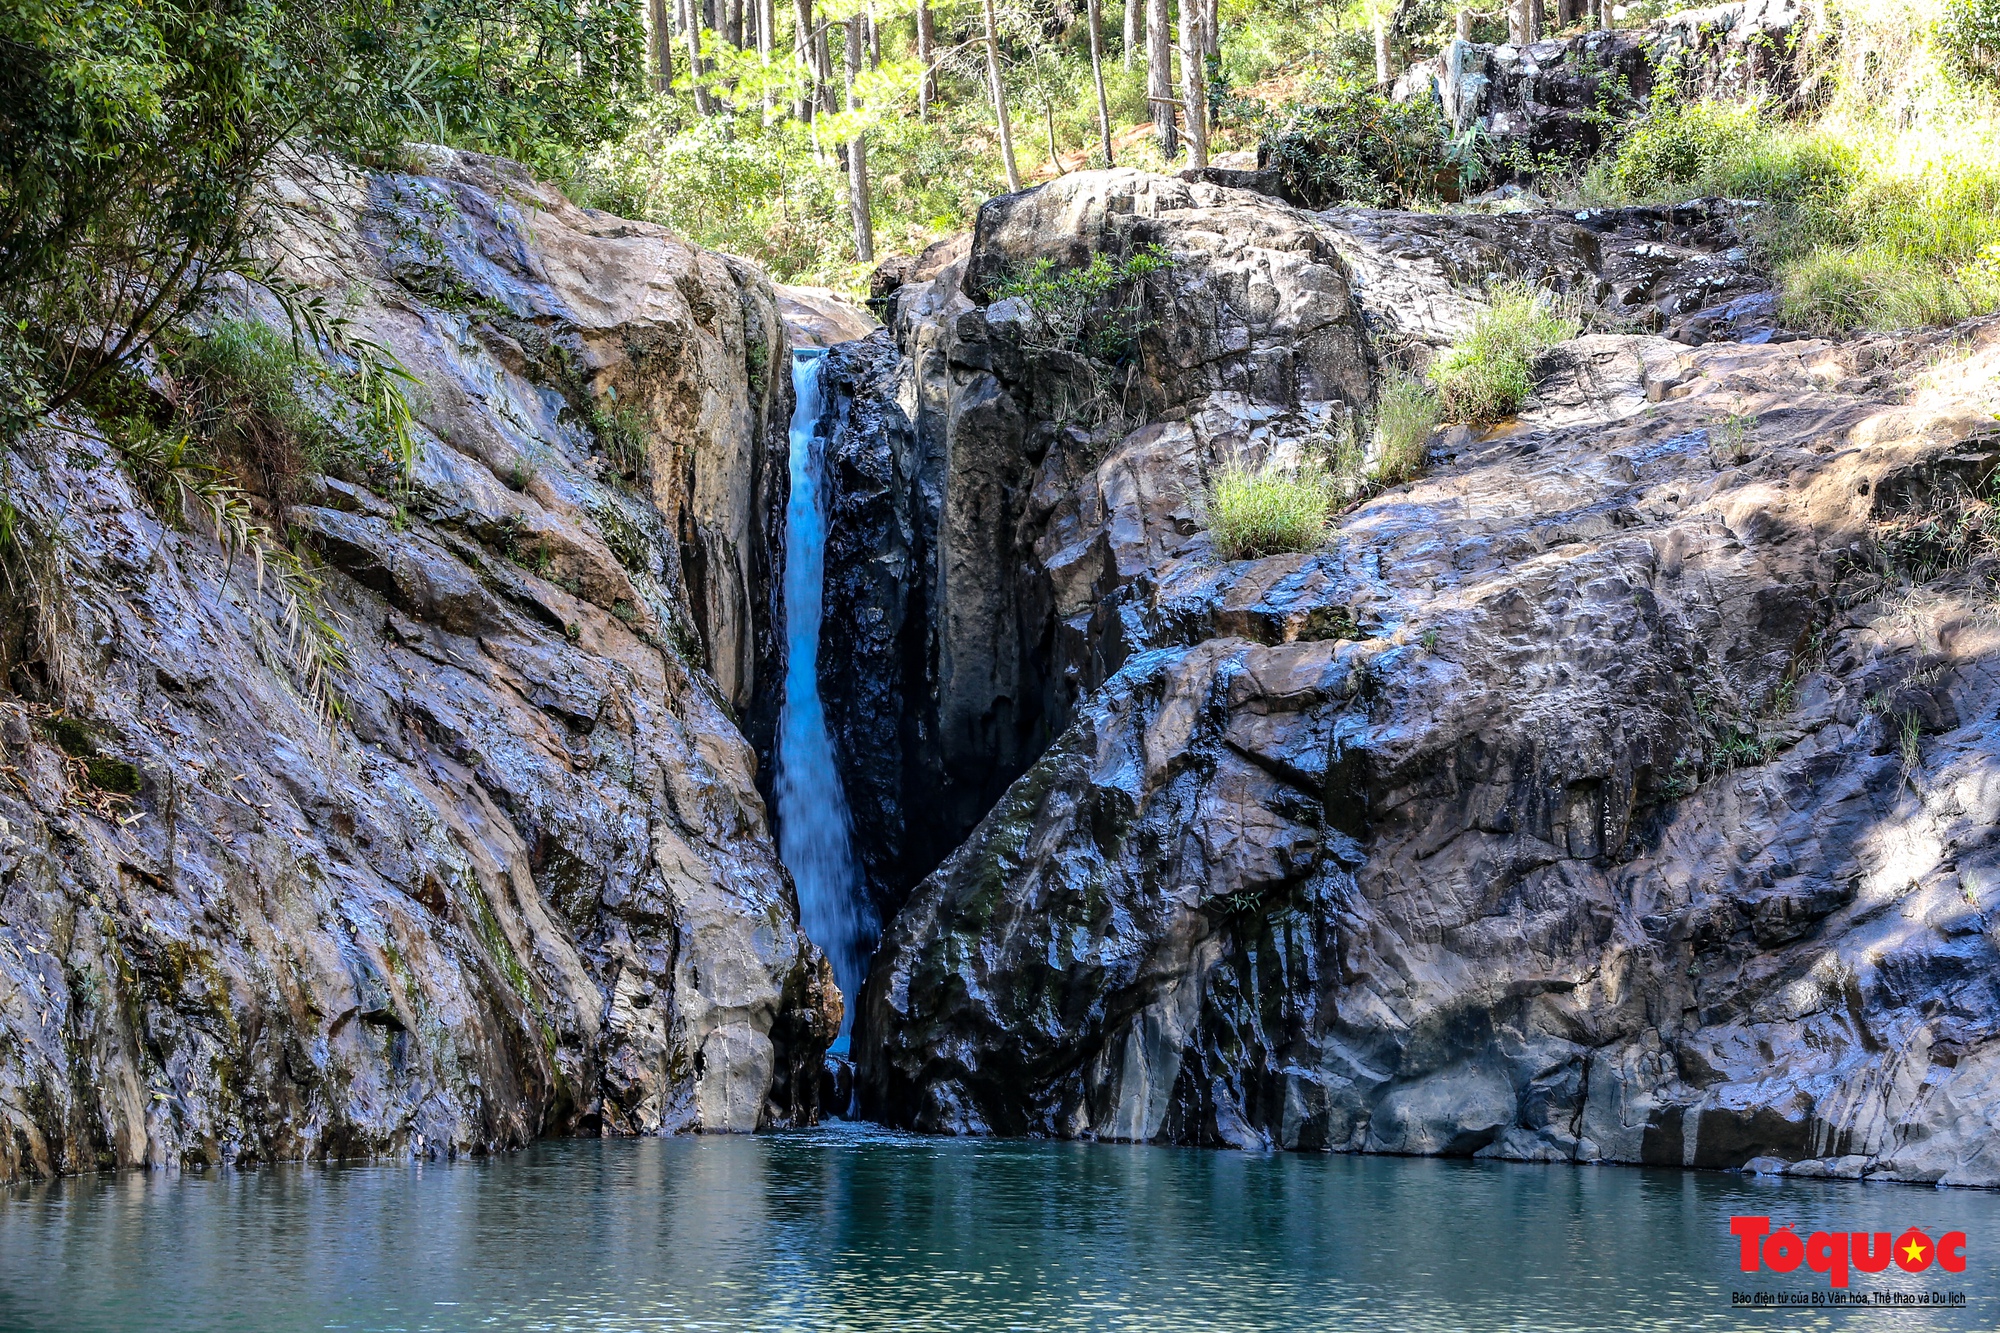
[{"x": 1621, "y": 789}]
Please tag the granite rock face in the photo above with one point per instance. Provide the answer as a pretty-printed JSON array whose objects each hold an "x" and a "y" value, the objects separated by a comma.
[
  {"x": 1562, "y": 99},
  {"x": 992, "y": 433},
  {"x": 1014, "y": 463},
  {"x": 1682, "y": 271},
  {"x": 1619, "y": 791},
  {"x": 524, "y": 884}
]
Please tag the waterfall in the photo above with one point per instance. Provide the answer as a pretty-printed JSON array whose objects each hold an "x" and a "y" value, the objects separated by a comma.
[{"x": 815, "y": 836}]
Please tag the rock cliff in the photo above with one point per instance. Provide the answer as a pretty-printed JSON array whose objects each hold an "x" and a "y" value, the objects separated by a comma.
[
  {"x": 1620, "y": 791},
  {"x": 524, "y": 883},
  {"x": 1559, "y": 100}
]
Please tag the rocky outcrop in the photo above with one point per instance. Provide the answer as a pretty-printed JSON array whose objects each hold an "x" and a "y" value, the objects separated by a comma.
[
  {"x": 1617, "y": 792},
  {"x": 877, "y": 658},
  {"x": 1260, "y": 339},
  {"x": 1563, "y": 99},
  {"x": 1255, "y": 313},
  {"x": 1683, "y": 271},
  {"x": 523, "y": 883}
]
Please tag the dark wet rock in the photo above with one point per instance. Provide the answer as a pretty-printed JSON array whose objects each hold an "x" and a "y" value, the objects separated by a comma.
[
  {"x": 1684, "y": 271},
  {"x": 876, "y": 659},
  {"x": 524, "y": 884},
  {"x": 1594, "y": 798}
]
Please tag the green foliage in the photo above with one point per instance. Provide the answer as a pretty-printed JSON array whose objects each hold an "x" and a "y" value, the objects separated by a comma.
[
  {"x": 1351, "y": 145},
  {"x": 541, "y": 81},
  {"x": 1088, "y": 310},
  {"x": 139, "y": 139},
  {"x": 258, "y": 398},
  {"x": 135, "y": 137},
  {"x": 1406, "y": 412},
  {"x": 1489, "y": 373},
  {"x": 1676, "y": 144},
  {"x": 734, "y": 184},
  {"x": 1870, "y": 222},
  {"x": 621, "y": 434},
  {"x": 1254, "y": 513},
  {"x": 1968, "y": 36}
]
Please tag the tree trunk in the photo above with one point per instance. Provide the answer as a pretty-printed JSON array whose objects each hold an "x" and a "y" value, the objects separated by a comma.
[
  {"x": 1517, "y": 22},
  {"x": 1211, "y": 31},
  {"x": 858, "y": 201},
  {"x": 732, "y": 23},
  {"x": 823, "y": 67},
  {"x": 767, "y": 36},
  {"x": 1130, "y": 50},
  {"x": 999, "y": 91},
  {"x": 691, "y": 14},
  {"x": 874, "y": 38},
  {"x": 802, "y": 46},
  {"x": 1094, "y": 15},
  {"x": 926, "y": 44},
  {"x": 1464, "y": 27},
  {"x": 663, "y": 46},
  {"x": 1384, "y": 74},
  {"x": 1160, "y": 78},
  {"x": 1534, "y": 21},
  {"x": 1194, "y": 82}
]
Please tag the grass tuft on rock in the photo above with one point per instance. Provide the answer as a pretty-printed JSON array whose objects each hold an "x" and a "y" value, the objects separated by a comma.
[
  {"x": 1489, "y": 372},
  {"x": 1251, "y": 513},
  {"x": 1406, "y": 412}
]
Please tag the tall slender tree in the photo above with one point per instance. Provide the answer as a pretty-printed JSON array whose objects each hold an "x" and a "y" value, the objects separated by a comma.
[
  {"x": 663, "y": 45},
  {"x": 802, "y": 46},
  {"x": 1094, "y": 15},
  {"x": 1128, "y": 51},
  {"x": 1194, "y": 81},
  {"x": 767, "y": 31},
  {"x": 858, "y": 200},
  {"x": 823, "y": 65},
  {"x": 998, "y": 87},
  {"x": 1160, "y": 77},
  {"x": 691, "y": 24},
  {"x": 926, "y": 57}
]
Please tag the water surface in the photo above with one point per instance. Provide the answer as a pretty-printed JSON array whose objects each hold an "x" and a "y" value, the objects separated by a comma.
[{"x": 854, "y": 1228}]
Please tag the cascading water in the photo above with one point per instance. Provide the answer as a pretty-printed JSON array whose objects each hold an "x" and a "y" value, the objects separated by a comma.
[{"x": 815, "y": 835}]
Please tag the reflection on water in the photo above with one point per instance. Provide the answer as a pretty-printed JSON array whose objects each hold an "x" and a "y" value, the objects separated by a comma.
[{"x": 853, "y": 1228}]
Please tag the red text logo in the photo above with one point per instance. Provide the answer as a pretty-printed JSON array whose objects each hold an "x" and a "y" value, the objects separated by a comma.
[{"x": 1832, "y": 1252}]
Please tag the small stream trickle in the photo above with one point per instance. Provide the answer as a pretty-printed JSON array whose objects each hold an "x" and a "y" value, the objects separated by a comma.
[{"x": 815, "y": 833}]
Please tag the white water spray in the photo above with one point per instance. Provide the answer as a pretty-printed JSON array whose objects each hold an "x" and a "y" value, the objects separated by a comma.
[{"x": 815, "y": 835}]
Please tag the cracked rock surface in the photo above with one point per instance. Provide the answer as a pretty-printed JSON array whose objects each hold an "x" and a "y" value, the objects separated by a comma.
[
  {"x": 1621, "y": 790},
  {"x": 526, "y": 883}
]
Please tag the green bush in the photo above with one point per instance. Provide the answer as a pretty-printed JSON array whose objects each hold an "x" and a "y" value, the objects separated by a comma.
[
  {"x": 1406, "y": 412},
  {"x": 1351, "y": 145},
  {"x": 1968, "y": 36},
  {"x": 1489, "y": 372},
  {"x": 248, "y": 396},
  {"x": 1254, "y": 513},
  {"x": 1676, "y": 145},
  {"x": 1082, "y": 310}
]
